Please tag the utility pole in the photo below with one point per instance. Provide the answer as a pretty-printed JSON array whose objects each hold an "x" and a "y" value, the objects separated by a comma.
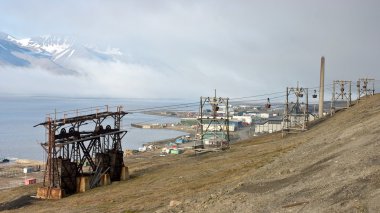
[{"x": 321, "y": 87}]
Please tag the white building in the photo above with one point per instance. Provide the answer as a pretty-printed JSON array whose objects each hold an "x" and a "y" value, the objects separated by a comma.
[
  {"x": 222, "y": 110},
  {"x": 244, "y": 118},
  {"x": 269, "y": 125}
]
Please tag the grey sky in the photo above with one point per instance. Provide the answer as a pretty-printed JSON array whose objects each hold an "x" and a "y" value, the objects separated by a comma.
[{"x": 238, "y": 47}]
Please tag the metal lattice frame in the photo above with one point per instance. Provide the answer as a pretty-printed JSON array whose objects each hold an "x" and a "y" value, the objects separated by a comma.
[
  {"x": 295, "y": 116},
  {"x": 344, "y": 94},
  {"x": 213, "y": 125},
  {"x": 70, "y": 146},
  {"x": 364, "y": 87}
]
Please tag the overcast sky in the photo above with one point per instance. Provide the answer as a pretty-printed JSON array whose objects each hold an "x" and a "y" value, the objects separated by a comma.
[{"x": 240, "y": 48}]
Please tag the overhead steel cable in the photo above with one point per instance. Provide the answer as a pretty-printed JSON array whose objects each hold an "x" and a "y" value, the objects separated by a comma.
[
  {"x": 254, "y": 96},
  {"x": 274, "y": 93},
  {"x": 176, "y": 107},
  {"x": 166, "y": 109},
  {"x": 163, "y": 107},
  {"x": 257, "y": 100},
  {"x": 156, "y": 119}
]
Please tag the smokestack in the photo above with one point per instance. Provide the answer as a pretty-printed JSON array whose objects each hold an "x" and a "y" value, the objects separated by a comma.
[{"x": 321, "y": 87}]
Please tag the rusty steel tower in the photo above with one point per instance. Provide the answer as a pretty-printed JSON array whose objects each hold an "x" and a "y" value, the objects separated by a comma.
[
  {"x": 365, "y": 86},
  {"x": 213, "y": 122},
  {"x": 83, "y": 150},
  {"x": 296, "y": 113},
  {"x": 341, "y": 95}
]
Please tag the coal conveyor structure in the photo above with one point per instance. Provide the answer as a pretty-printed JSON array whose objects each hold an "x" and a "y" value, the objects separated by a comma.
[{"x": 83, "y": 149}]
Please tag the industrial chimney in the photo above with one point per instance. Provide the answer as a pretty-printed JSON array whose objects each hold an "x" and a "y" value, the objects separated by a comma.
[{"x": 321, "y": 87}]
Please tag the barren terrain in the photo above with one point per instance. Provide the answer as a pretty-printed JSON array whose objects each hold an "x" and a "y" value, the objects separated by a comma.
[{"x": 333, "y": 167}]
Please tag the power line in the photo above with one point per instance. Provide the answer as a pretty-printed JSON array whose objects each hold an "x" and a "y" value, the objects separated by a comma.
[
  {"x": 257, "y": 100},
  {"x": 167, "y": 106},
  {"x": 193, "y": 104},
  {"x": 254, "y": 96},
  {"x": 157, "y": 119}
]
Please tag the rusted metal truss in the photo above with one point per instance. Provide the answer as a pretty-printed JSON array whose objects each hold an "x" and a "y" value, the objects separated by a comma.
[
  {"x": 213, "y": 122},
  {"x": 86, "y": 144},
  {"x": 365, "y": 86},
  {"x": 343, "y": 94},
  {"x": 296, "y": 113}
]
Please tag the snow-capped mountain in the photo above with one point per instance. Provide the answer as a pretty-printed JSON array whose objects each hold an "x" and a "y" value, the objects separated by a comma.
[
  {"x": 54, "y": 53},
  {"x": 10, "y": 52}
]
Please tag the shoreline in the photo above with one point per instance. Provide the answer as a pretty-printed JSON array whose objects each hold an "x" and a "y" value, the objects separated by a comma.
[
  {"x": 189, "y": 132},
  {"x": 22, "y": 162}
]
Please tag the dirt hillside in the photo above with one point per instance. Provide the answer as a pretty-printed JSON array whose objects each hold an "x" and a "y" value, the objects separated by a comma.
[
  {"x": 336, "y": 169},
  {"x": 333, "y": 167}
]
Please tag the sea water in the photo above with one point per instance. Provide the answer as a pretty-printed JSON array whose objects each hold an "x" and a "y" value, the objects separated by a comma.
[{"x": 19, "y": 139}]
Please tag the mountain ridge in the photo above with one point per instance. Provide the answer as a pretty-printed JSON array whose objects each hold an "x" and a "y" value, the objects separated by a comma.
[{"x": 56, "y": 54}]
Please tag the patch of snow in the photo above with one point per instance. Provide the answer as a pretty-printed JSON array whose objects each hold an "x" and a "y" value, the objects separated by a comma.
[
  {"x": 3, "y": 47},
  {"x": 55, "y": 48},
  {"x": 11, "y": 38},
  {"x": 24, "y": 42},
  {"x": 72, "y": 51},
  {"x": 61, "y": 54}
]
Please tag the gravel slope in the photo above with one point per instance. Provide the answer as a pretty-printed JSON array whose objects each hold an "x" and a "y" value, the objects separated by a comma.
[
  {"x": 336, "y": 169},
  {"x": 333, "y": 167}
]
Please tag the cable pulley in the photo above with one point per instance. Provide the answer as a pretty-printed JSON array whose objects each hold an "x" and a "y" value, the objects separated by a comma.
[
  {"x": 315, "y": 94},
  {"x": 268, "y": 105}
]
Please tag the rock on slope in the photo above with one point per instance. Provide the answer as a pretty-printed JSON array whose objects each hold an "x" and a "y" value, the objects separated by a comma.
[{"x": 337, "y": 170}]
